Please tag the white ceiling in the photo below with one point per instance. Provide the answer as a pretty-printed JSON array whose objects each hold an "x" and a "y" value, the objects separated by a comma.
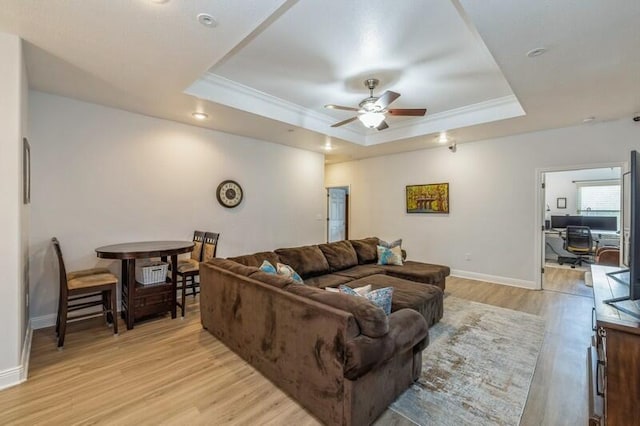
[{"x": 269, "y": 66}]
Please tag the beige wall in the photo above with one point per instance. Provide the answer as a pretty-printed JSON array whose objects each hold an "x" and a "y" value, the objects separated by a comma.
[
  {"x": 13, "y": 215},
  {"x": 492, "y": 196},
  {"x": 104, "y": 176}
]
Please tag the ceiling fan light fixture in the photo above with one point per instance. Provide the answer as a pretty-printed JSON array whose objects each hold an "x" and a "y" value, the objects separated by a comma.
[{"x": 371, "y": 119}]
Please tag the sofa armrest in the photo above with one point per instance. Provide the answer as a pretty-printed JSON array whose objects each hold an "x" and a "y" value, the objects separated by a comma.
[{"x": 407, "y": 329}]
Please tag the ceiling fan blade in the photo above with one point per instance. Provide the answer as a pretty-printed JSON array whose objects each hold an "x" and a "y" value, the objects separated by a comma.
[
  {"x": 347, "y": 121},
  {"x": 386, "y": 98},
  {"x": 344, "y": 108},
  {"x": 382, "y": 126},
  {"x": 412, "y": 112}
]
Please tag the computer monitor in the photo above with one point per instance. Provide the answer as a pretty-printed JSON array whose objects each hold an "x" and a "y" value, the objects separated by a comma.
[
  {"x": 559, "y": 221},
  {"x": 601, "y": 223},
  {"x": 597, "y": 223}
]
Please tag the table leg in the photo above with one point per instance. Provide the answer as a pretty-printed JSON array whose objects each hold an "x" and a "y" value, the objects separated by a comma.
[
  {"x": 123, "y": 289},
  {"x": 174, "y": 283},
  {"x": 131, "y": 288}
]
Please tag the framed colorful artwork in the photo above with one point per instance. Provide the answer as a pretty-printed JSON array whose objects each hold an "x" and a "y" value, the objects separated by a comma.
[{"x": 429, "y": 198}]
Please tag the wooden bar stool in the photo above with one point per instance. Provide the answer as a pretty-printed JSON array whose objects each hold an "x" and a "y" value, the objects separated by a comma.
[
  {"x": 81, "y": 290},
  {"x": 189, "y": 269}
]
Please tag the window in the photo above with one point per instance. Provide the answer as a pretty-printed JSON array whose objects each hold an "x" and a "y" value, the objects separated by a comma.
[{"x": 599, "y": 198}]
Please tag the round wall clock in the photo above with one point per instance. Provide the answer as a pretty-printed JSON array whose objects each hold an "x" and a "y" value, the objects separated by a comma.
[{"x": 229, "y": 193}]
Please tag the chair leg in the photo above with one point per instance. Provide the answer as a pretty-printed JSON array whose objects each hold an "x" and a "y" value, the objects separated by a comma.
[
  {"x": 194, "y": 286},
  {"x": 105, "y": 305},
  {"x": 114, "y": 308},
  {"x": 64, "y": 305},
  {"x": 184, "y": 293},
  {"x": 58, "y": 317}
]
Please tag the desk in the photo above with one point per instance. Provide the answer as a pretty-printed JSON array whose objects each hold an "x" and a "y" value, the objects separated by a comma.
[
  {"x": 139, "y": 300},
  {"x": 554, "y": 243}
]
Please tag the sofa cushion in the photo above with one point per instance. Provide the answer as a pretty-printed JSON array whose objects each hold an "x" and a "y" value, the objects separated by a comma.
[
  {"x": 424, "y": 298},
  {"x": 365, "y": 249},
  {"x": 340, "y": 255},
  {"x": 275, "y": 280},
  {"x": 256, "y": 259},
  {"x": 307, "y": 261},
  {"x": 419, "y": 272},
  {"x": 327, "y": 280},
  {"x": 361, "y": 271},
  {"x": 372, "y": 320}
]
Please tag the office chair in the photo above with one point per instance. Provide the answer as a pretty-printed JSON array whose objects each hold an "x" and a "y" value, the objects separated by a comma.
[{"x": 578, "y": 241}]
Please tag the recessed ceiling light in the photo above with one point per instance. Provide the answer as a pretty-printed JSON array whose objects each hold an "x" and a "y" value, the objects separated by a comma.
[
  {"x": 443, "y": 138},
  {"x": 200, "y": 115},
  {"x": 207, "y": 20},
  {"x": 536, "y": 52},
  {"x": 588, "y": 119}
]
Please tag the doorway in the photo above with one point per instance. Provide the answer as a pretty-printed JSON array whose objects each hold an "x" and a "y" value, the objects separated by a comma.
[
  {"x": 589, "y": 198},
  {"x": 337, "y": 213}
]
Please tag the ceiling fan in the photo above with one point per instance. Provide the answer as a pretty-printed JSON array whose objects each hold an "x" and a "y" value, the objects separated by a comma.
[{"x": 373, "y": 110}]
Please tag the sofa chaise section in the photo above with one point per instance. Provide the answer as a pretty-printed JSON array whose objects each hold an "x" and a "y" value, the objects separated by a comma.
[{"x": 342, "y": 358}]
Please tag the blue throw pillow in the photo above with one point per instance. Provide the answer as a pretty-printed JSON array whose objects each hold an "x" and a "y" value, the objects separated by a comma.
[
  {"x": 389, "y": 256},
  {"x": 381, "y": 297},
  {"x": 268, "y": 267}
]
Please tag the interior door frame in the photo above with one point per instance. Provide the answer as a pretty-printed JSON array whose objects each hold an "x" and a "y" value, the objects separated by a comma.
[
  {"x": 347, "y": 211},
  {"x": 540, "y": 207}
]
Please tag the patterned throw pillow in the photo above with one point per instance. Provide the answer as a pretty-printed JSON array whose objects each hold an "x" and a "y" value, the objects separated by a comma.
[
  {"x": 288, "y": 271},
  {"x": 389, "y": 256},
  {"x": 360, "y": 290},
  {"x": 381, "y": 297},
  {"x": 392, "y": 244},
  {"x": 268, "y": 267}
]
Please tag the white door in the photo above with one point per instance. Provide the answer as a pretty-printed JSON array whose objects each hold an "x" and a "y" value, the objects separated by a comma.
[{"x": 337, "y": 214}]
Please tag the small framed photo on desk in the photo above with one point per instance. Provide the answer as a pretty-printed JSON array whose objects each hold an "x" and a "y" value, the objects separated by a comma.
[{"x": 561, "y": 203}]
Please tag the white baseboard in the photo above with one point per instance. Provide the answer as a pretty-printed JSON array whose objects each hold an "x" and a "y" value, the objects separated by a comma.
[
  {"x": 513, "y": 282},
  {"x": 16, "y": 375},
  {"x": 43, "y": 321}
]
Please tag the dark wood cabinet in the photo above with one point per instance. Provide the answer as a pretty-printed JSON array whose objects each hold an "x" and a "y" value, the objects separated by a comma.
[
  {"x": 613, "y": 360},
  {"x": 151, "y": 299}
]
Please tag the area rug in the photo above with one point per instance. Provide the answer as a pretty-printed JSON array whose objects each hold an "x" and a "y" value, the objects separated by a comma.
[{"x": 477, "y": 368}]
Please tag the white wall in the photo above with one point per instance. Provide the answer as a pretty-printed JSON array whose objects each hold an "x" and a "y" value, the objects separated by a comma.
[
  {"x": 492, "y": 196},
  {"x": 13, "y": 215},
  {"x": 562, "y": 185},
  {"x": 105, "y": 176}
]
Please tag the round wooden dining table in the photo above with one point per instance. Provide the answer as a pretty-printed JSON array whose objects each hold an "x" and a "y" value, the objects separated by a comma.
[{"x": 139, "y": 300}]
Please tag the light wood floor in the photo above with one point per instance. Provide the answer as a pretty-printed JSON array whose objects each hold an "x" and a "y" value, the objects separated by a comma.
[
  {"x": 566, "y": 280},
  {"x": 173, "y": 372}
]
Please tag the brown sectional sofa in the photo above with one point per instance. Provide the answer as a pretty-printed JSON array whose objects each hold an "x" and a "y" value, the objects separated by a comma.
[{"x": 340, "y": 356}]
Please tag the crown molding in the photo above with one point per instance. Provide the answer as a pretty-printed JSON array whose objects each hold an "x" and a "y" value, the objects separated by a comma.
[
  {"x": 215, "y": 88},
  {"x": 221, "y": 90}
]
